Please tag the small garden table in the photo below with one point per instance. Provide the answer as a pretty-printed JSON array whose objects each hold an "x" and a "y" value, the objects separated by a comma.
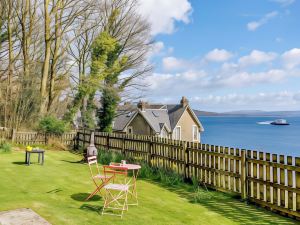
[
  {"x": 40, "y": 152},
  {"x": 135, "y": 169}
]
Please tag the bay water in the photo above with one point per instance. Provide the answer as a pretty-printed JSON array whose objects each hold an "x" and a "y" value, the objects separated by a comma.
[{"x": 253, "y": 133}]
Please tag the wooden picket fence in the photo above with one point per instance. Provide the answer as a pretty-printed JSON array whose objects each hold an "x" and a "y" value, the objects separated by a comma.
[
  {"x": 36, "y": 138},
  {"x": 266, "y": 179}
]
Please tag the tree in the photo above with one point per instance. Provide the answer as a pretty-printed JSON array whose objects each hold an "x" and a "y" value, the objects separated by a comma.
[
  {"x": 103, "y": 52},
  {"x": 133, "y": 36}
]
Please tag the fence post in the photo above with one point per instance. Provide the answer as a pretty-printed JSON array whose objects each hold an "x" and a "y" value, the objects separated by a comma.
[
  {"x": 123, "y": 145},
  {"x": 186, "y": 160},
  {"x": 150, "y": 146},
  {"x": 76, "y": 141},
  {"x": 13, "y": 135},
  {"x": 243, "y": 175},
  {"x": 107, "y": 141}
]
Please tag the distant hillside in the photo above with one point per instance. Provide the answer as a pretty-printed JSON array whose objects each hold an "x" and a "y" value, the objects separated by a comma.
[
  {"x": 250, "y": 113},
  {"x": 204, "y": 113}
]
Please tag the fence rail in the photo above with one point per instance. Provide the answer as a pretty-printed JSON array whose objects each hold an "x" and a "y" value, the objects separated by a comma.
[{"x": 266, "y": 179}]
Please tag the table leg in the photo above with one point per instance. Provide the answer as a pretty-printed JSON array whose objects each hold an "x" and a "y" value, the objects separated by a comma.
[
  {"x": 39, "y": 159},
  {"x": 133, "y": 193},
  {"x": 25, "y": 157},
  {"x": 28, "y": 159},
  {"x": 43, "y": 158}
]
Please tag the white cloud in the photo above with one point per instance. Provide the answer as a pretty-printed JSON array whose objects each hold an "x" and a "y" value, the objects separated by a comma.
[
  {"x": 172, "y": 63},
  {"x": 163, "y": 15},
  {"x": 257, "y": 57},
  {"x": 284, "y": 2},
  {"x": 191, "y": 78},
  {"x": 291, "y": 58},
  {"x": 252, "y": 26},
  {"x": 246, "y": 79},
  {"x": 192, "y": 75},
  {"x": 218, "y": 55},
  {"x": 156, "y": 49},
  {"x": 269, "y": 101}
]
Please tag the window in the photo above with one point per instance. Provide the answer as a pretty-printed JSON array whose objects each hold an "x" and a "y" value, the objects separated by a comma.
[
  {"x": 177, "y": 133},
  {"x": 130, "y": 130},
  {"x": 195, "y": 133}
]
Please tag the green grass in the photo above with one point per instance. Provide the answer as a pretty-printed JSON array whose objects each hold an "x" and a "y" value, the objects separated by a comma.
[{"x": 57, "y": 189}]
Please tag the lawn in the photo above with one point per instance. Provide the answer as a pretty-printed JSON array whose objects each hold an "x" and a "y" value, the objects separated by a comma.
[{"x": 57, "y": 189}]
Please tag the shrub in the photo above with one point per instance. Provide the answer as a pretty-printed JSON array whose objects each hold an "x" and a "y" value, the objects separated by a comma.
[
  {"x": 52, "y": 125},
  {"x": 201, "y": 194},
  {"x": 5, "y": 147},
  {"x": 104, "y": 157}
]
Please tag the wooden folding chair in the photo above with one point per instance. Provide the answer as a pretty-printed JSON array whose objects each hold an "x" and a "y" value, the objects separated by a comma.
[
  {"x": 92, "y": 162},
  {"x": 115, "y": 198}
]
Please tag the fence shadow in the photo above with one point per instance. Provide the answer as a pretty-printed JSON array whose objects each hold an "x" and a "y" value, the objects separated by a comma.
[{"x": 229, "y": 206}]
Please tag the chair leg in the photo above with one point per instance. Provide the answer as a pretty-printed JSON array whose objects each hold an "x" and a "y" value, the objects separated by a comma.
[
  {"x": 105, "y": 201},
  {"x": 112, "y": 201},
  {"x": 92, "y": 194}
]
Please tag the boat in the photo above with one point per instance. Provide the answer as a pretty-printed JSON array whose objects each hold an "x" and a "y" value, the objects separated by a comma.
[{"x": 280, "y": 122}]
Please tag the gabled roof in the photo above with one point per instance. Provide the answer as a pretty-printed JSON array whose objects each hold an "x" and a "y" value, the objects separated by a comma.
[
  {"x": 175, "y": 113},
  {"x": 123, "y": 118},
  {"x": 157, "y": 116}
]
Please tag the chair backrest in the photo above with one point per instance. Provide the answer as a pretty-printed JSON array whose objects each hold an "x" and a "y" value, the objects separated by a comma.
[
  {"x": 116, "y": 171},
  {"x": 93, "y": 163}
]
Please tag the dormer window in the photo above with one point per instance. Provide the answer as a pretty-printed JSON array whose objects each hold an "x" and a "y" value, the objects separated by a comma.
[{"x": 130, "y": 130}]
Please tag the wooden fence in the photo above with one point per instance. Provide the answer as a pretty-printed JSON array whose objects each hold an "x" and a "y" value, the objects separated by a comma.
[
  {"x": 266, "y": 179},
  {"x": 32, "y": 138}
]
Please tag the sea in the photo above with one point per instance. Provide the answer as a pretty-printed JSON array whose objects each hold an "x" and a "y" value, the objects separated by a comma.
[{"x": 253, "y": 133}]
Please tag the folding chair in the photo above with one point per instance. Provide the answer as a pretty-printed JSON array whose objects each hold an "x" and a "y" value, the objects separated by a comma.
[
  {"x": 92, "y": 162},
  {"x": 115, "y": 198}
]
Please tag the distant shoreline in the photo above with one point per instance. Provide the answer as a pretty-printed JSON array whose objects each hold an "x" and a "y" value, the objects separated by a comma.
[{"x": 248, "y": 114}]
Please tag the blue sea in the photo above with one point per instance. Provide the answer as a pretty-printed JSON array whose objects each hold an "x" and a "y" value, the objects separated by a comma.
[{"x": 249, "y": 133}]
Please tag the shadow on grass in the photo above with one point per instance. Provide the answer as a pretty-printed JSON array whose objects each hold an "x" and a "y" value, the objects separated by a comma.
[
  {"x": 74, "y": 162},
  {"x": 82, "y": 196},
  {"x": 20, "y": 163},
  {"x": 229, "y": 206},
  {"x": 56, "y": 190},
  {"x": 93, "y": 208}
]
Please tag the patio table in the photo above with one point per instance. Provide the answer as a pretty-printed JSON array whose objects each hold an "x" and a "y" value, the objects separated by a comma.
[
  {"x": 135, "y": 169},
  {"x": 40, "y": 153}
]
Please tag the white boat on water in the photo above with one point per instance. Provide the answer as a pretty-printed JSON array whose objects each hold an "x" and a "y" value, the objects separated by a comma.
[{"x": 280, "y": 122}]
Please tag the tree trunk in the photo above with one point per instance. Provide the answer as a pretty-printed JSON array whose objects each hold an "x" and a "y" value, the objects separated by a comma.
[
  {"x": 57, "y": 45},
  {"x": 25, "y": 37},
  {"x": 46, "y": 64},
  {"x": 10, "y": 65}
]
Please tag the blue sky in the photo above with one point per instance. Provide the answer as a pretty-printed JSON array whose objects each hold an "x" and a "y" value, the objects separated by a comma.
[{"x": 225, "y": 55}]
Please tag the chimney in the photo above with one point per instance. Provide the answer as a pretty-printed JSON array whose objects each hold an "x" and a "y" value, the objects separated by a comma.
[
  {"x": 142, "y": 105},
  {"x": 184, "y": 102}
]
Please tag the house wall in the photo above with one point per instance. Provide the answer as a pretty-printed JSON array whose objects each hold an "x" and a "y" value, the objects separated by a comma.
[
  {"x": 186, "y": 122},
  {"x": 140, "y": 126},
  {"x": 164, "y": 133}
]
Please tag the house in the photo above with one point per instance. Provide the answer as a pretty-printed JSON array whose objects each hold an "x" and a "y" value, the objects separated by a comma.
[{"x": 178, "y": 122}]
